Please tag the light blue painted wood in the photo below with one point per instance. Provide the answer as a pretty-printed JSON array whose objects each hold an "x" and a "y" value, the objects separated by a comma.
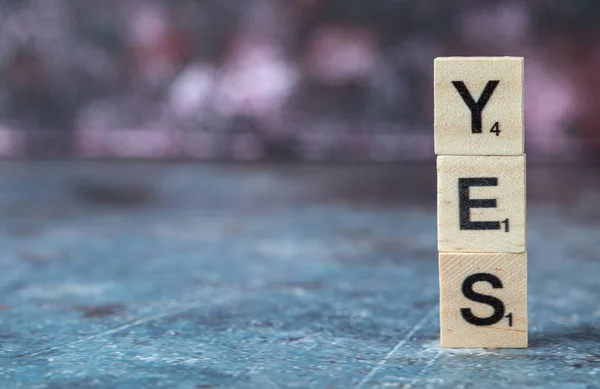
[{"x": 184, "y": 276}]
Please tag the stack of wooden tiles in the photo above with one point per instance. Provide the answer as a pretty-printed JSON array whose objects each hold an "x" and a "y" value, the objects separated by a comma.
[{"x": 481, "y": 201}]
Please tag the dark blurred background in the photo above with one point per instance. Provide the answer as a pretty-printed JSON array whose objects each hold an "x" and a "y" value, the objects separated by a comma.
[{"x": 316, "y": 80}]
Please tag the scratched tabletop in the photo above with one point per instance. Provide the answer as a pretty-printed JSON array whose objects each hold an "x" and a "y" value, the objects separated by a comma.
[{"x": 148, "y": 275}]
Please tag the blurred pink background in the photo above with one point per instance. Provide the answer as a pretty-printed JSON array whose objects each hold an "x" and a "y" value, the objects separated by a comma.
[{"x": 316, "y": 80}]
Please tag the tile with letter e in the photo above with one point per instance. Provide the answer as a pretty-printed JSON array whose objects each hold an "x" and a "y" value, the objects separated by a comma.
[
  {"x": 478, "y": 106},
  {"x": 481, "y": 204},
  {"x": 483, "y": 300}
]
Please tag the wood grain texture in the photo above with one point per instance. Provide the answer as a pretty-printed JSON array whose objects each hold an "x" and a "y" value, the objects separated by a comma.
[
  {"x": 507, "y": 327},
  {"x": 453, "y": 119},
  {"x": 507, "y": 195}
]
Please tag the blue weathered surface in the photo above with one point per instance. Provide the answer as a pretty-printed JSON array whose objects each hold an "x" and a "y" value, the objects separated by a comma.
[{"x": 186, "y": 276}]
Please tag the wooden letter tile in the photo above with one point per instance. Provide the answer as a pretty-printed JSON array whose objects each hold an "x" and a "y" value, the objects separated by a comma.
[
  {"x": 483, "y": 300},
  {"x": 478, "y": 105},
  {"x": 481, "y": 204}
]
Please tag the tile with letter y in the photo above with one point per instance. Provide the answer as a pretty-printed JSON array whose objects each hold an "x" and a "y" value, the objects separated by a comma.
[
  {"x": 478, "y": 106},
  {"x": 481, "y": 204},
  {"x": 483, "y": 300}
]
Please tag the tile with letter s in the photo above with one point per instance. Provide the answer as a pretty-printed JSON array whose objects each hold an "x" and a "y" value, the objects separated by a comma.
[{"x": 483, "y": 300}]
